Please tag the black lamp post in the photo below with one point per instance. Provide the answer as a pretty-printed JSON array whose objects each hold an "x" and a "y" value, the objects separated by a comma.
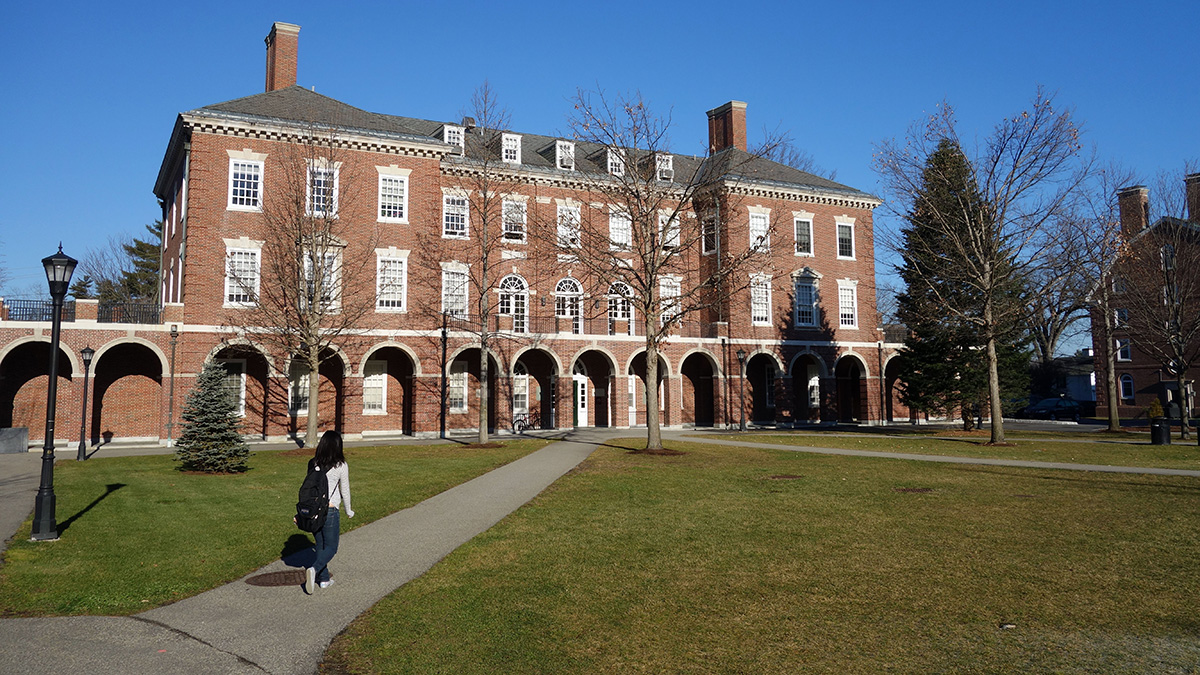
[
  {"x": 741, "y": 354},
  {"x": 87, "y": 355},
  {"x": 171, "y": 401},
  {"x": 59, "y": 268},
  {"x": 445, "y": 339}
]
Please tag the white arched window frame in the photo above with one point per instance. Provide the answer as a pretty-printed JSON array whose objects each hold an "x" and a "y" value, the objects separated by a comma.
[
  {"x": 520, "y": 389},
  {"x": 514, "y": 302},
  {"x": 620, "y": 308},
  {"x": 568, "y": 296},
  {"x": 1127, "y": 387}
]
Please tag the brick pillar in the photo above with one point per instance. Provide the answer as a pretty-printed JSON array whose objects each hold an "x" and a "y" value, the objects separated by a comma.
[
  {"x": 1134, "y": 205},
  {"x": 727, "y": 127},
  {"x": 283, "y": 46}
]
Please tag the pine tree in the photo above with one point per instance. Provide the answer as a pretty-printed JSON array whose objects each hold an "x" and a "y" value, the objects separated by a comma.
[
  {"x": 141, "y": 282},
  {"x": 944, "y": 360},
  {"x": 211, "y": 441}
]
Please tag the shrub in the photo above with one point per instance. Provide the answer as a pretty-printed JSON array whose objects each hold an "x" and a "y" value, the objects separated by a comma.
[
  {"x": 1154, "y": 410},
  {"x": 211, "y": 440}
]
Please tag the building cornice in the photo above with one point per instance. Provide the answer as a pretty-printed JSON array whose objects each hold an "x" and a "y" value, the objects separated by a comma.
[{"x": 269, "y": 129}]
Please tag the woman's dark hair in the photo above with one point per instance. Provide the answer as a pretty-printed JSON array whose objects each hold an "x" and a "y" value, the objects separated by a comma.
[{"x": 329, "y": 451}]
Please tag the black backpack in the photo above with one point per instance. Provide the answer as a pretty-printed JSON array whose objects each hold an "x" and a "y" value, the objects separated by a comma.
[{"x": 313, "y": 503}]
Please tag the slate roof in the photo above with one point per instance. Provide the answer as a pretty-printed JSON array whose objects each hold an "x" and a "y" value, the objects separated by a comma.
[{"x": 299, "y": 105}]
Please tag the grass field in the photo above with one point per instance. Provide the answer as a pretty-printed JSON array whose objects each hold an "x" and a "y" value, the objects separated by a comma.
[
  {"x": 736, "y": 560},
  {"x": 136, "y": 533},
  {"x": 1089, "y": 448}
]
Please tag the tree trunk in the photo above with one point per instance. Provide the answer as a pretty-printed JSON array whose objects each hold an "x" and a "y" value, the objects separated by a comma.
[
  {"x": 1110, "y": 377},
  {"x": 1184, "y": 413},
  {"x": 653, "y": 433},
  {"x": 994, "y": 392},
  {"x": 484, "y": 388},
  {"x": 314, "y": 389}
]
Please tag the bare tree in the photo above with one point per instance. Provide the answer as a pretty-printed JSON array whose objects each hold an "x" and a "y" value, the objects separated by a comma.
[
  {"x": 1093, "y": 231},
  {"x": 1024, "y": 172},
  {"x": 655, "y": 214},
  {"x": 1158, "y": 274},
  {"x": 316, "y": 288},
  {"x": 486, "y": 215},
  {"x": 1057, "y": 294}
]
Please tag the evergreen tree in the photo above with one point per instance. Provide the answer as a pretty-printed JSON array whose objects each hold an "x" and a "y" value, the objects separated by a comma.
[
  {"x": 211, "y": 440},
  {"x": 141, "y": 282},
  {"x": 81, "y": 288},
  {"x": 944, "y": 357}
]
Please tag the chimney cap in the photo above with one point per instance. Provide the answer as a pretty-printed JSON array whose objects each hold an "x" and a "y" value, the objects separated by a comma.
[
  {"x": 1191, "y": 178},
  {"x": 732, "y": 105},
  {"x": 1133, "y": 188},
  {"x": 281, "y": 27}
]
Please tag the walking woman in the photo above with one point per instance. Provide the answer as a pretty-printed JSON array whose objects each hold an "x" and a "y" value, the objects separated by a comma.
[{"x": 330, "y": 460}]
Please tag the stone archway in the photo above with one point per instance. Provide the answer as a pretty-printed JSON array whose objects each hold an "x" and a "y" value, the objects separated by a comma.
[
  {"x": 249, "y": 378},
  {"x": 891, "y": 397},
  {"x": 331, "y": 399},
  {"x": 592, "y": 377},
  {"x": 851, "y": 389},
  {"x": 462, "y": 404},
  {"x": 699, "y": 389},
  {"x": 806, "y": 389},
  {"x": 637, "y": 395},
  {"x": 127, "y": 394},
  {"x": 537, "y": 392},
  {"x": 762, "y": 375},
  {"x": 23, "y": 384},
  {"x": 387, "y": 391}
]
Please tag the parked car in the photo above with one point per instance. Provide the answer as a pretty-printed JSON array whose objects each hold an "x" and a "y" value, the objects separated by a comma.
[
  {"x": 1055, "y": 409},
  {"x": 1021, "y": 406}
]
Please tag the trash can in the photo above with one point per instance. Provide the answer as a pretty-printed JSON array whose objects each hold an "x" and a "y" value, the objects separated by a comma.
[{"x": 1160, "y": 432}]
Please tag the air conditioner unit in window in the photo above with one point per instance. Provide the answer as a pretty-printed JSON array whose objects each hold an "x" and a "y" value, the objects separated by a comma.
[{"x": 666, "y": 174}]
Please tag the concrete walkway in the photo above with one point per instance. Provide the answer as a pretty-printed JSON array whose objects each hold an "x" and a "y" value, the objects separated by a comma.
[
  {"x": 244, "y": 628},
  {"x": 241, "y": 628}
]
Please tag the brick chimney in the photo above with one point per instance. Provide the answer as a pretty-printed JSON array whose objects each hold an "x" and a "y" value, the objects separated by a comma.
[
  {"x": 727, "y": 127},
  {"x": 1133, "y": 203},
  {"x": 1192, "y": 183},
  {"x": 283, "y": 45}
]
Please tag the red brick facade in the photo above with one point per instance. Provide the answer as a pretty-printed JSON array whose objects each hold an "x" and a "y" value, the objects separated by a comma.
[{"x": 824, "y": 373}]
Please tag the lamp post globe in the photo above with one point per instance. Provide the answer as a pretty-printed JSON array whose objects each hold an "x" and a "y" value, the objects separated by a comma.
[
  {"x": 87, "y": 353},
  {"x": 59, "y": 268}
]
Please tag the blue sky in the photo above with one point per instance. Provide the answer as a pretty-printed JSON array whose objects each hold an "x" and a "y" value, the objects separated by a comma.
[{"x": 92, "y": 89}]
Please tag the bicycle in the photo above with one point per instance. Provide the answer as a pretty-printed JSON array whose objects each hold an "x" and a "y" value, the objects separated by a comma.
[{"x": 520, "y": 423}]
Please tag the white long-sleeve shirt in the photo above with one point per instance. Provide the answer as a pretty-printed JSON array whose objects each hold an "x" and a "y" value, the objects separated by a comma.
[{"x": 339, "y": 487}]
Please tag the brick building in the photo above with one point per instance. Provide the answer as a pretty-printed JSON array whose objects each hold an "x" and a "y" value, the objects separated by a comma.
[
  {"x": 568, "y": 354},
  {"x": 1156, "y": 272}
]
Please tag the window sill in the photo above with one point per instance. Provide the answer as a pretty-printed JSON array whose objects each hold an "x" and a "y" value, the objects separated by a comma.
[
  {"x": 374, "y": 413},
  {"x": 842, "y": 257},
  {"x": 244, "y": 209},
  {"x": 801, "y": 254},
  {"x": 460, "y": 237},
  {"x": 393, "y": 221},
  {"x": 391, "y": 310}
]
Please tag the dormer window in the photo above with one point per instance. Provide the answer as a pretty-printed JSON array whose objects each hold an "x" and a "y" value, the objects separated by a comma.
[
  {"x": 510, "y": 148},
  {"x": 453, "y": 135},
  {"x": 616, "y": 163},
  {"x": 665, "y": 164},
  {"x": 564, "y": 153}
]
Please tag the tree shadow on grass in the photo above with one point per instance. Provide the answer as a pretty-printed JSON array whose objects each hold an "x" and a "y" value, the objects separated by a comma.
[{"x": 112, "y": 487}]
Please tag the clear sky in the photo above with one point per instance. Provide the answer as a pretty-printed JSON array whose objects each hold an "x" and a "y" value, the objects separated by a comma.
[{"x": 92, "y": 89}]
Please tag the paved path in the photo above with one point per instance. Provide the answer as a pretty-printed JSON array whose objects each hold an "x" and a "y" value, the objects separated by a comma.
[{"x": 240, "y": 628}]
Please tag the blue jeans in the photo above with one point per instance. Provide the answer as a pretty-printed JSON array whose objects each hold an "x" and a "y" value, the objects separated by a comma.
[{"x": 327, "y": 544}]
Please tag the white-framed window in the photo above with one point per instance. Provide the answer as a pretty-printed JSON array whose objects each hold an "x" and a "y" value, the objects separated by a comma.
[
  {"x": 520, "y": 389},
  {"x": 760, "y": 300},
  {"x": 568, "y": 298},
  {"x": 845, "y": 240},
  {"x": 668, "y": 230},
  {"x": 391, "y": 284},
  {"x": 1121, "y": 316},
  {"x": 806, "y": 302},
  {"x": 453, "y": 134},
  {"x": 510, "y": 148},
  {"x": 1127, "y": 387},
  {"x": 669, "y": 299},
  {"x": 564, "y": 155},
  {"x": 847, "y": 305},
  {"x": 665, "y": 166},
  {"x": 454, "y": 293},
  {"x": 393, "y": 199},
  {"x": 616, "y": 162},
  {"x": 375, "y": 387},
  {"x": 620, "y": 231},
  {"x": 322, "y": 191},
  {"x": 802, "y": 227},
  {"x": 1124, "y": 350},
  {"x": 620, "y": 308},
  {"x": 710, "y": 225},
  {"x": 245, "y": 185},
  {"x": 760, "y": 231},
  {"x": 514, "y": 302},
  {"x": 242, "y": 267},
  {"x": 515, "y": 220},
  {"x": 456, "y": 217},
  {"x": 568, "y": 225},
  {"x": 298, "y": 387},
  {"x": 322, "y": 278},
  {"x": 456, "y": 389},
  {"x": 234, "y": 383}
]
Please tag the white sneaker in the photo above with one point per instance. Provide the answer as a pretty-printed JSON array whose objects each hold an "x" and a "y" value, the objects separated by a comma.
[
  {"x": 310, "y": 580},
  {"x": 326, "y": 584}
]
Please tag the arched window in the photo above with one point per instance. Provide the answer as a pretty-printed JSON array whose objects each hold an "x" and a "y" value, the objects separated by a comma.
[
  {"x": 1127, "y": 387},
  {"x": 620, "y": 308},
  {"x": 514, "y": 302},
  {"x": 567, "y": 295},
  {"x": 520, "y": 389}
]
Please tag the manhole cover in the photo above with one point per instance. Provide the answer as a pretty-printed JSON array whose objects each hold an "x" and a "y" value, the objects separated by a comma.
[
  {"x": 285, "y": 578},
  {"x": 913, "y": 489}
]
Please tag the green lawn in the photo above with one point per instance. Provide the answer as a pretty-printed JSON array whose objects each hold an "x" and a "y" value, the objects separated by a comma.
[
  {"x": 1091, "y": 448},
  {"x": 736, "y": 560},
  {"x": 136, "y": 533}
]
